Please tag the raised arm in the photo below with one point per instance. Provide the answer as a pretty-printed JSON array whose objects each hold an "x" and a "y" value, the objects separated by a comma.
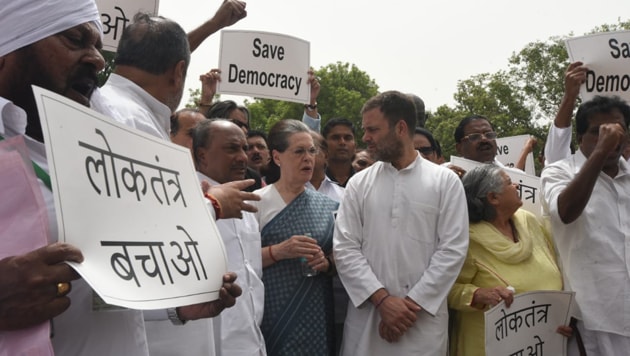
[
  {"x": 311, "y": 116},
  {"x": 527, "y": 149},
  {"x": 559, "y": 139},
  {"x": 573, "y": 199},
  {"x": 229, "y": 13}
]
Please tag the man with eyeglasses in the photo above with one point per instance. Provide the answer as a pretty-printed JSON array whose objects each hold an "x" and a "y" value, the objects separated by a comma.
[{"x": 475, "y": 140}]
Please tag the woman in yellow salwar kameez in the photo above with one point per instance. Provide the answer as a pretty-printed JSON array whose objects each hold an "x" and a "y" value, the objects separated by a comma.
[{"x": 508, "y": 247}]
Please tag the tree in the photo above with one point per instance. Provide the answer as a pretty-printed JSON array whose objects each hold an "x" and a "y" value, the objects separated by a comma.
[
  {"x": 521, "y": 100},
  {"x": 492, "y": 95},
  {"x": 345, "y": 88},
  {"x": 538, "y": 69}
]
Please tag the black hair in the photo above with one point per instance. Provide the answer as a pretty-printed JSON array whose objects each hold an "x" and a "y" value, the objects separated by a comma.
[
  {"x": 330, "y": 124},
  {"x": 600, "y": 104},
  {"x": 395, "y": 106},
  {"x": 459, "y": 130},
  {"x": 153, "y": 44}
]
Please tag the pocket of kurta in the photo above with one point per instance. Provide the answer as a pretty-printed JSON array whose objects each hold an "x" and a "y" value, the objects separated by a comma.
[{"x": 421, "y": 223}]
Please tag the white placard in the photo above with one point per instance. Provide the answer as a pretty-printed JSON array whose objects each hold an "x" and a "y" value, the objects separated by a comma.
[
  {"x": 117, "y": 14},
  {"x": 509, "y": 151},
  {"x": 528, "y": 189},
  {"x": 607, "y": 56},
  {"x": 528, "y": 326},
  {"x": 264, "y": 65},
  {"x": 133, "y": 205}
]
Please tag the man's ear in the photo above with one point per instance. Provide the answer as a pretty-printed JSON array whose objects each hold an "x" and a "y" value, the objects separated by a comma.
[
  {"x": 200, "y": 156},
  {"x": 401, "y": 128},
  {"x": 179, "y": 73}
]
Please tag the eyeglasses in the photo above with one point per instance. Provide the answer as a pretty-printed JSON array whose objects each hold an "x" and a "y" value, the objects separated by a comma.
[
  {"x": 301, "y": 152},
  {"x": 474, "y": 137},
  {"x": 425, "y": 150}
]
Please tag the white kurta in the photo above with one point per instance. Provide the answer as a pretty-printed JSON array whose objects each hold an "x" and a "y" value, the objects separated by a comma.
[
  {"x": 558, "y": 145},
  {"x": 329, "y": 188},
  {"x": 129, "y": 104},
  {"x": 239, "y": 326},
  {"x": 80, "y": 330},
  {"x": 406, "y": 231},
  {"x": 595, "y": 248}
]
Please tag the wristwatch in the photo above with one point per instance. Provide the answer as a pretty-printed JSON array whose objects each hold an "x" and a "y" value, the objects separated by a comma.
[
  {"x": 174, "y": 317},
  {"x": 310, "y": 107}
]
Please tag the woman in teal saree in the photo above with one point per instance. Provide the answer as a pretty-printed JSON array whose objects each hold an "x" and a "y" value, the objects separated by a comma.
[{"x": 298, "y": 317}]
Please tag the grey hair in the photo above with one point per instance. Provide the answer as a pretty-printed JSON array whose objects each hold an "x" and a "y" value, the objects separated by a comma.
[
  {"x": 282, "y": 130},
  {"x": 278, "y": 140},
  {"x": 478, "y": 182},
  {"x": 202, "y": 135}
]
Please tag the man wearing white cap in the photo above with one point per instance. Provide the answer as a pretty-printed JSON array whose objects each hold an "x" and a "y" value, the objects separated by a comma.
[{"x": 53, "y": 44}]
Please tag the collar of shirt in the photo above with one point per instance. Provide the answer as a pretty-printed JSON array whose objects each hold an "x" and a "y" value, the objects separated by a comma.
[
  {"x": 579, "y": 159},
  {"x": 12, "y": 118},
  {"x": 162, "y": 113}
]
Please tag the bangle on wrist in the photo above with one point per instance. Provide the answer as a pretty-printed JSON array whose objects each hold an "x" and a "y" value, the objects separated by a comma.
[
  {"x": 271, "y": 255},
  {"x": 381, "y": 301},
  {"x": 215, "y": 204}
]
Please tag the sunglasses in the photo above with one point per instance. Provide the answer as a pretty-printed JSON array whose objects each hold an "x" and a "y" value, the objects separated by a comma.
[{"x": 425, "y": 150}]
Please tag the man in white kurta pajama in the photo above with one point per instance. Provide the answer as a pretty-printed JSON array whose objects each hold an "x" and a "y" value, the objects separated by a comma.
[
  {"x": 587, "y": 197},
  {"x": 401, "y": 237}
]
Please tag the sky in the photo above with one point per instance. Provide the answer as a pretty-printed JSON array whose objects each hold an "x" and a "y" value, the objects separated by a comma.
[{"x": 419, "y": 47}]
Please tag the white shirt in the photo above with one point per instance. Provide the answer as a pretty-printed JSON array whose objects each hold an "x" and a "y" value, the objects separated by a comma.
[
  {"x": 595, "y": 248},
  {"x": 407, "y": 231},
  {"x": 239, "y": 326},
  {"x": 558, "y": 145},
  {"x": 329, "y": 188},
  {"x": 79, "y": 330},
  {"x": 313, "y": 123},
  {"x": 129, "y": 104}
]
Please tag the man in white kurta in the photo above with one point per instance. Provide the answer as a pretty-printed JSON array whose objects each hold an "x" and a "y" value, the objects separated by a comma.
[
  {"x": 220, "y": 157},
  {"x": 587, "y": 197},
  {"x": 238, "y": 328},
  {"x": 401, "y": 237}
]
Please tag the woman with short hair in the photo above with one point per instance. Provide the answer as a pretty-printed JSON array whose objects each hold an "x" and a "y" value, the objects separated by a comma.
[{"x": 509, "y": 252}]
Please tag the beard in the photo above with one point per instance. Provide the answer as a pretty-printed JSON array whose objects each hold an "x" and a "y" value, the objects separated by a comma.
[{"x": 389, "y": 149}]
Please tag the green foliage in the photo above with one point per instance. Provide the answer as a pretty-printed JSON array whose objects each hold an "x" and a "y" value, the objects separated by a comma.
[
  {"x": 490, "y": 95},
  {"x": 344, "y": 89},
  {"x": 538, "y": 70},
  {"x": 521, "y": 100}
]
